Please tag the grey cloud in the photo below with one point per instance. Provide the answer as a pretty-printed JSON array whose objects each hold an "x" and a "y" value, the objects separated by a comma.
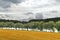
[
  {"x": 58, "y": 1},
  {"x": 4, "y": 4},
  {"x": 3, "y": 10},
  {"x": 39, "y": 16},
  {"x": 13, "y": 1},
  {"x": 7, "y": 3},
  {"x": 28, "y": 13}
]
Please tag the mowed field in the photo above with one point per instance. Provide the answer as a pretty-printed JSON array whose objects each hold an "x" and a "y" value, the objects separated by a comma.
[{"x": 27, "y": 35}]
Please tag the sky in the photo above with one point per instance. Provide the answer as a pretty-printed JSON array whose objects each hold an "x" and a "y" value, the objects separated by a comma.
[{"x": 27, "y": 9}]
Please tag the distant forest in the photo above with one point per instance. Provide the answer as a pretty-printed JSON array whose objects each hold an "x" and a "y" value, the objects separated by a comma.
[{"x": 51, "y": 23}]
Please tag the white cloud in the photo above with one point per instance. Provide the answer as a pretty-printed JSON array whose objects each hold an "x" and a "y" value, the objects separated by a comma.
[{"x": 34, "y": 6}]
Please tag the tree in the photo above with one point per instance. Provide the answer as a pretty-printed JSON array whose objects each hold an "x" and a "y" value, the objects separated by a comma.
[
  {"x": 1, "y": 24},
  {"x": 34, "y": 25},
  {"x": 10, "y": 24},
  {"x": 58, "y": 25},
  {"x": 19, "y": 25},
  {"x": 26, "y": 26},
  {"x": 46, "y": 25},
  {"x": 31, "y": 24},
  {"x": 40, "y": 26},
  {"x": 51, "y": 25}
]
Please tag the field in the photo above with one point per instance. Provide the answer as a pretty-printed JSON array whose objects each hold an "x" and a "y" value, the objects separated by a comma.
[{"x": 27, "y": 35}]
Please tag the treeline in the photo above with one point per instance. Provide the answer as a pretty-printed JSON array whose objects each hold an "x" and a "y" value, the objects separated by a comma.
[{"x": 33, "y": 25}]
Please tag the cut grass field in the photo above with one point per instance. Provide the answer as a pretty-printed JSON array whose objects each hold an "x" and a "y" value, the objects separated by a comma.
[{"x": 27, "y": 35}]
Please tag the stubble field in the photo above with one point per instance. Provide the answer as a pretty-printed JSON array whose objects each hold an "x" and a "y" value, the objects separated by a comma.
[{"x": 27, "y": 35}]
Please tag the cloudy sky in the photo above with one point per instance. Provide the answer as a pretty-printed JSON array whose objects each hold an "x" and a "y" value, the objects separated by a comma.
[{"x": 21, "y": 7}]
